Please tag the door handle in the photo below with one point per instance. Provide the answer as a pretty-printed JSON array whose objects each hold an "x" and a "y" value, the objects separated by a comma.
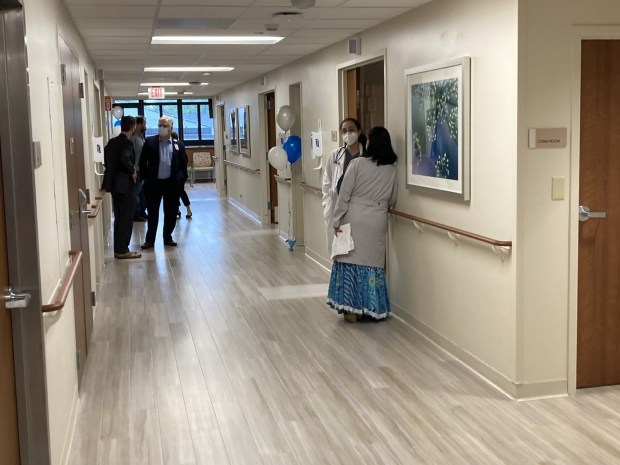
[
  {"x": 585, "y": 214},
  {"x": 15, "y": 300}
]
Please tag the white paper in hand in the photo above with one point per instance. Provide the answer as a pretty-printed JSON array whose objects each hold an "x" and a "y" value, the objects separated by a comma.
[{"x": 343, "y": 242}]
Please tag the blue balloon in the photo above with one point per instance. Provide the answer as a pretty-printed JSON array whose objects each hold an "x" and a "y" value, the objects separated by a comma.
[
  {"x": 117, "y": 123},
  {"x": 292, "y": 147}
]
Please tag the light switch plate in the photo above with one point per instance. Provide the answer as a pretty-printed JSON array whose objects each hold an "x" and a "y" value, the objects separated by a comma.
[
  {"x": 558, "y": 188},
  {"x": 334, "y": 136}
]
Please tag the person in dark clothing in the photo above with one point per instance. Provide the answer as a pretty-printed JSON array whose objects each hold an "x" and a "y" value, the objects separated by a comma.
[
  {"x": 162, "y": 167},
  {"x": 119, "y": 179},
  {"x": 139, "y": 213}
]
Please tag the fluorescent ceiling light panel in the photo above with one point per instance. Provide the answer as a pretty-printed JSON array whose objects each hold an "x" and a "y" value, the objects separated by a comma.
[
  {"x": 169, "y": 84},
  {"x": 215, "y": 40},
  {"x": 164, "y": 84},
  {"x": 187, "y": 69}
]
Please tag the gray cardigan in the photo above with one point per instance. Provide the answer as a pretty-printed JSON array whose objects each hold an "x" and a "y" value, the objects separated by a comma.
[{"x": 366, "y": 193}]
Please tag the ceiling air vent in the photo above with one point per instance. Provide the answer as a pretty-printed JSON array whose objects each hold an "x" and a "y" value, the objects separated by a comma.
[{"x": 286, "y": 14}]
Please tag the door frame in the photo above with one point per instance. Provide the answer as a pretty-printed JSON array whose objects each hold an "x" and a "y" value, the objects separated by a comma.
[
  {"x": 22, "y": 245},
  {"x": 264, "y": 149},
  {"x": 342, "y": 81},
  {"x": 579, "y": 33},
  {"x": 220, "y": 150}
]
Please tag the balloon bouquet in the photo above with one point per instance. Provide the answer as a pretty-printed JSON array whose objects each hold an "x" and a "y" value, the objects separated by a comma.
[
  {"x": 117, "y": 112},
  {"x": 289, "y": 153}
]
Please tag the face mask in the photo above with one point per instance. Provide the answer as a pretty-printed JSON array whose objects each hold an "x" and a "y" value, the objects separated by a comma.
[
  {"x": 350, "y": 138},
  {"x": 163, "y": 132}
]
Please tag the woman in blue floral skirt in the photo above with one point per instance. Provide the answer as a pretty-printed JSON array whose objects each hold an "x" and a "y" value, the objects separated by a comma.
[{"x": 357, "y": 286}]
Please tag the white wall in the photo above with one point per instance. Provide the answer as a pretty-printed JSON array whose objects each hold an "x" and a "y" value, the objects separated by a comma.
[
  {"x": 547, "y": 231},
  {"x": 463, "y": 296},
  {"x": 45, "y": 20}
]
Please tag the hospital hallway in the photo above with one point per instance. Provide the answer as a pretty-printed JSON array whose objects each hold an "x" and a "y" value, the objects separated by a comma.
[{"x": 222, "y": 351}]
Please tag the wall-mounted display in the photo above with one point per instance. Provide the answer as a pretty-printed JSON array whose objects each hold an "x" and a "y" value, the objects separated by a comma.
[
  {"x": 232, "y": 128},
  {"x": 243, "y": 114},
  {"x": 438, "y": 127}
]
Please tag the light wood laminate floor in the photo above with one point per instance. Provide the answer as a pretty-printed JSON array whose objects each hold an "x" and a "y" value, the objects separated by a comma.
[{"x": 197, "y": 358}]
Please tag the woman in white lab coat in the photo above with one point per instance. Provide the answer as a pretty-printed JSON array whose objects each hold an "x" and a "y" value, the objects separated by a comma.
[{"x": 351, "y": 131}]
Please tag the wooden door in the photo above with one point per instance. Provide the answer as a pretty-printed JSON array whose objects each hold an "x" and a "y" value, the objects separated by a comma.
[
  {"x": 9, "y": 442},
  {"x": 270, "y": 114},
  {"x": 353, "y": 93},
  {"x": 598, "y": 321},
  {"x": 78, "y": 199}
]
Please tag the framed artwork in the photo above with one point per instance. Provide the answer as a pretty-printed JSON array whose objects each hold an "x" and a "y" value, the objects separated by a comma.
[
  {"x": 438, "y": 127},
  {"x": 232, "y": 128},
  {"x": 243, "y": 114}
]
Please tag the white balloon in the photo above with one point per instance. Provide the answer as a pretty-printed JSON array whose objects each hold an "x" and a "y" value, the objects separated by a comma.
[
  {"x": 116, "y": 130},
  {"x": 277, "y": 157},
  {"x": 286, "y": 117},
  {"x": 117, "y": 112}
]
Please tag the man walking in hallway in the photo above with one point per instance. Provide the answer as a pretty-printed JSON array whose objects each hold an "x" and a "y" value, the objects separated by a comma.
[
  {"x": 161, "y": 168},
  {"x": 119, "y": 179}
]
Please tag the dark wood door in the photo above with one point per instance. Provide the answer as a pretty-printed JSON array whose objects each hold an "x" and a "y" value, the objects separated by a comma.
[
  {"x": 78, "y": 201},
  {"x": 598, "y": 321},
  {"x": 9, "y": 442},
  {"x": 270, "y": 114}
]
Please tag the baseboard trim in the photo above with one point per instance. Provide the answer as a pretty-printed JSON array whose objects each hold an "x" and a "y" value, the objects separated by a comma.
[
  {"x": 519, "y": 391},
  {"x": 249, "y": 213},
  {"x": 315, "y": 257},
  {"x": 66, "y": 450}
]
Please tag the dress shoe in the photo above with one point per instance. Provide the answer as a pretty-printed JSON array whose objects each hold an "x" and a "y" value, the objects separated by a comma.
[
  {"x": 350, "y": 317},
  {"x": 146, "y": 245},
  {"x": 170, "y": 243}
]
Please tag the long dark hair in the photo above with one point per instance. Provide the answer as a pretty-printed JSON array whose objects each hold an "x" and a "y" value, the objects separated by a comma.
[{"x": 380, "y": 147}]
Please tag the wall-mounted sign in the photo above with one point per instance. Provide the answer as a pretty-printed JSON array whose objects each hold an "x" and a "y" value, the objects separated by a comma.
[
  {"x": 157, "y": 92},
  {"x": 108, "y": 103},
  {"x": 547, "y": 138}
]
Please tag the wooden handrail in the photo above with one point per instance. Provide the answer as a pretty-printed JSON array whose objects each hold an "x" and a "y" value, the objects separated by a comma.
[
  {"x": 242, "y": 167},
  {"x": 282, "y": 179},
  {"x": 66, "y": 284},
  {"x": 460, "y": 232},
  {"x": 316, "y": 190}
]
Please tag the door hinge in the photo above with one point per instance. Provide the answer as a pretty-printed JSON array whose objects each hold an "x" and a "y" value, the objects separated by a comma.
[
  {"x": 77, "y": 359},
  {"x": 81, "y": 89},
  {"x": 63, "y": 74},
  {"x": 93, "y": 299},
  {"x": 269, "y": 205}
]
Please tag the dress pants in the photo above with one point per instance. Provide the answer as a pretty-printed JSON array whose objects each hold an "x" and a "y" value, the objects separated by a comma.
[
  {"x": 123, "y": 205},
  {"x": 167, "y": 189},
  {"x": 140, "y": 210}
]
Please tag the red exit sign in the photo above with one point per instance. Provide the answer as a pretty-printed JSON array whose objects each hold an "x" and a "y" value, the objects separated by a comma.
[{"x": 157, "y": 92}]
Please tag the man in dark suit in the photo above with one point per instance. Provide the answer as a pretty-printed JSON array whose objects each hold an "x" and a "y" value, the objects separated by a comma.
[
  {"x": 161, "y": 168},
  {"x": 119, "y": 179}
]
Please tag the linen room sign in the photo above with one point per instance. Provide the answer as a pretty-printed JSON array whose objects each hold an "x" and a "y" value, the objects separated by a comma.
[{"x": 549, "y": 138}]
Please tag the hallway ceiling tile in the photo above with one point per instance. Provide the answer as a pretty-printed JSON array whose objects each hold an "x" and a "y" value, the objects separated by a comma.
[{"x": 118, "y": 36}]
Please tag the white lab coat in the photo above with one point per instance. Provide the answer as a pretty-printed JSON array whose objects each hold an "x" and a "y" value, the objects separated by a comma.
[{"x": 331, "y": 174}]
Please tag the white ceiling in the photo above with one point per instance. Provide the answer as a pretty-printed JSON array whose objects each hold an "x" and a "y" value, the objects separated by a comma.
[{"x": 118, "y": 36}]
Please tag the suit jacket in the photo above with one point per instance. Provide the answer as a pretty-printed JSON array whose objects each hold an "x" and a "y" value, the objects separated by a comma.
[
  {"x": 119, "y": 160},
  {"x": 149, "y": 160}
]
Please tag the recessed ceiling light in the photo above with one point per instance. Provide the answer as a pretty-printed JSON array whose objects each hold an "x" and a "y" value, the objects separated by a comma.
[
  {"x": 215, "y": 40},
  {"x": 189, "y": 69}
]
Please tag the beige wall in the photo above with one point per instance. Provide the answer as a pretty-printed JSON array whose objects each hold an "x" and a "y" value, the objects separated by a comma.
[
  {"x": 45, "y": 20},
  {"x": 547, "y": 230}
]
